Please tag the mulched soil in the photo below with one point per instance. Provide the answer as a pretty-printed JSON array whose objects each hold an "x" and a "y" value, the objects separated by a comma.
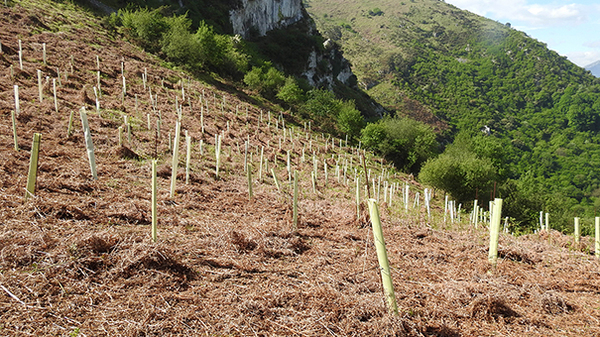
[{"x": 77, "y": 258}]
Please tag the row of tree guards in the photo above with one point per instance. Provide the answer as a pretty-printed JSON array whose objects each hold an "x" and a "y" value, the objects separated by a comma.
[{"x": 383, "y": 190}]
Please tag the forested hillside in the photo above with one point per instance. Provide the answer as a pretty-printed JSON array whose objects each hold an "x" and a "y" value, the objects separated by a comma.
[{"x": 522, "y": 121}]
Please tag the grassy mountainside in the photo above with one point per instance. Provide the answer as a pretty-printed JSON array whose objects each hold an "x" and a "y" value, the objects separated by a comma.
[{"x": 470, "y": 72}]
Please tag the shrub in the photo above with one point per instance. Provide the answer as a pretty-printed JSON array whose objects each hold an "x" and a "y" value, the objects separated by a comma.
[
  {"x": 266, "y": 80},
  {"x": 290, "y": 92},
  {"x": 333, "y": 115},
  {"x": 322, "y": 103},
  {"x": 143, "y": 26},
  {"x": 179, "y": 44},
  {"x": 459, "y": 172},
  {"x": 406, "y": 142},
  {"x": 349, "y": 120}
]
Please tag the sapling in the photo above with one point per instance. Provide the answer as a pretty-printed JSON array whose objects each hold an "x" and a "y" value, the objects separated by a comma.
[
  {"x": 217, "y": 155},
  {"x": 357, "y": 198},
  {"x": 275, "y": 180},
  {"x": 33, "y": 166},
  {"x": 547, "y": 222},
  {"x": 175, "y": 162},
  {"x": 14, "y": 125},
  {"x": 260, "y": 169},
  {"x": 17, "y": 104},
  {"x": 245, "y": 156},
  {"x": 154, "y": 202},
  {"x": 386, "y": 277},
  {"x": 249, "y": 176},
  {"x": 70, "y": 125},
  {"x": 128, "y": 124},
  {"x": 406, "y": 196},
  {"x": 289, "y": 166},
  {"x": 188, "y": 156},
  {"x": 325, "y": 169},
  {"x": 170, "y": 143},
  {"x": 39, "y": 78},
  {"x": 124, "y": 90},
  {"x": 120, "y": 131},
  {"x": 295, "y": 203},
  {"x": 88, "y": 142},
  {"x": 495, "y": 231},
  {"x": 97, "y": 101},
  {"x": 54, "y": 90},
  {"x": 474, "y": 214},
  {"x": 202, "y": 118},
  {"x": 98, "y": 83},
  {"x": 20, "y": 55}
]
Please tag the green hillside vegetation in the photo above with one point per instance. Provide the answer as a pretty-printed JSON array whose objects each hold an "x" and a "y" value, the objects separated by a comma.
[
  {"x": 543, "y": 111},
  {"x": 203, "y": 50}
]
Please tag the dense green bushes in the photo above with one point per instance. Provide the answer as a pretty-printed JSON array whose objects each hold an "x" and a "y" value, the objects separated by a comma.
[
  {"x": 172, "y": 37},
  {"x": 459, "y": 172},
  {"x": 404, "y": 141},
  {"x": 334, "y": 115}
]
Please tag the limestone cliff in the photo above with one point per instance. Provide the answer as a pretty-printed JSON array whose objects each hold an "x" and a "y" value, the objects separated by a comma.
[
  {"x": 261, "y": 16},
  {"x": 321, "y": 64}
]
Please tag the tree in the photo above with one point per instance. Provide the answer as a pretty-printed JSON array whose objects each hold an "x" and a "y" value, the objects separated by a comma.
[
  {"x": 349, "y": 120},
  {"x": 406, "y": 142},
  {"x": 290, "y": 92},
  {"x": 459, "y": 173}
]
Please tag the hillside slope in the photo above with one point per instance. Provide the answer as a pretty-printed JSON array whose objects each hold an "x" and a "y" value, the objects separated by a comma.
[
  {"x": 77, "y": 259},
  {"x": 474, "y": 74}
]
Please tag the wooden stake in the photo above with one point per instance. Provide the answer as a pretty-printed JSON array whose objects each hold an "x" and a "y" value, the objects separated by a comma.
[
  {"x": 275, "y": 180},
  {"x": 188, "y": 157},
  {"x": 39, "y": 76},
  {"x": 154, "y": 202},
  {"x": 249, "y": 176},
  {"x": 295, "y": 203},
  {"x": 70, "y": 124},
  {"x": 33, "y": 166},
  {"x": 175, "y": 162},
  {"x": 14, "y": 125},
  {"x": 20, "y": 56},
  {"x": 55, "y": 100},
  {"x": 386, "y": 277},
  {"x": 495, "y": 232},
  {"x": 17, "y": 104},
  {"x": 88, "y": 142}
]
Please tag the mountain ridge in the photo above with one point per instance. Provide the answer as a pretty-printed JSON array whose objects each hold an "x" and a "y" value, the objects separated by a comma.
[
  {"x": 594, "y": 68},
  {"x": 471, "y": 72}
]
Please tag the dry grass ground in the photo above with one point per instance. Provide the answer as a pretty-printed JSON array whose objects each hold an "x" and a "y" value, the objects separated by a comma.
[{"x": 77, "y": 258}]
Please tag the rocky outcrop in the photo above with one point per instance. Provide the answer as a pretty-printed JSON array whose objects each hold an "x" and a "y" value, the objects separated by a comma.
[{"x": 260, "y": 16}]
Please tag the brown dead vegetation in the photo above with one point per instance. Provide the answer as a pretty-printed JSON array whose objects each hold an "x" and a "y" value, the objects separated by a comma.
[{"x": 77, "y": 258}]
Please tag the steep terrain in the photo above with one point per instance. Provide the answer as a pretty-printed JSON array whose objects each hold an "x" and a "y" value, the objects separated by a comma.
[
  {"x": 77, "y": 258},
  {"x": 439, "y": 64}
]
